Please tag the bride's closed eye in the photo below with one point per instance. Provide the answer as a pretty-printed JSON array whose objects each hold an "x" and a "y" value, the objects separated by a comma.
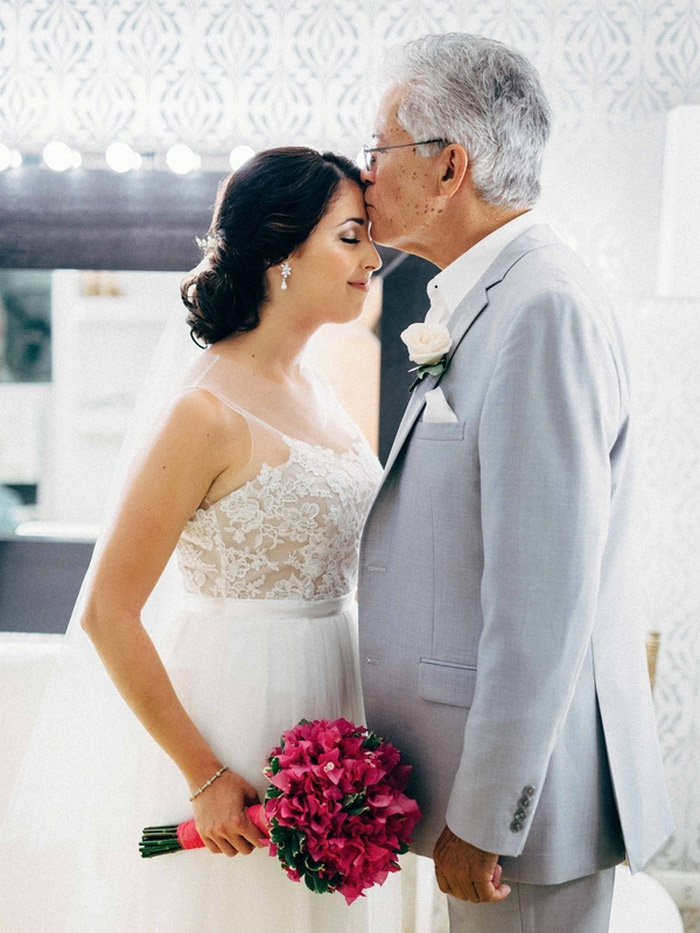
[{"x": 351, "y": 235}]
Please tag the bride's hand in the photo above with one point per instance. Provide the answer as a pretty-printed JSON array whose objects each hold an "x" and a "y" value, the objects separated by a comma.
[{"x": 221, "y": 818}]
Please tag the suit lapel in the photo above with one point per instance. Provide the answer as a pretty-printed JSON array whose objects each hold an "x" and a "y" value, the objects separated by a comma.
[
  {"x": 463, "y": 318},
  {"x": 475, "y": 302}
]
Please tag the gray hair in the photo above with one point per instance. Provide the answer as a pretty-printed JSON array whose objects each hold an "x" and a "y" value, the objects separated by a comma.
[{"x": 483, "y": 95}]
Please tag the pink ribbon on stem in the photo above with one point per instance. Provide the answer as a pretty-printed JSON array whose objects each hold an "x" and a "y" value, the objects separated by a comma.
[{"x": 189, "y": 838}]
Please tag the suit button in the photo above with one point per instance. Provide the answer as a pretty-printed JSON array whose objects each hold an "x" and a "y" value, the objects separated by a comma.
[
  {"x": 516, "y": 826},
  {"x": 529, "y": 791},
  {"x": 520, "y": 814},
  {"x": 524, "y": 802}
]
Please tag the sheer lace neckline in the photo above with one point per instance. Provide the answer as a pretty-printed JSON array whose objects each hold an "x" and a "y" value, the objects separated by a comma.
[
  {"x": 291, "y": 532},
  {"x": 269, "y": 468}
]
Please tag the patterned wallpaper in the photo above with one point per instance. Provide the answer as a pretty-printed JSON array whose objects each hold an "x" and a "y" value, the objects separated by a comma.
[{"x": 265, "y": 72}]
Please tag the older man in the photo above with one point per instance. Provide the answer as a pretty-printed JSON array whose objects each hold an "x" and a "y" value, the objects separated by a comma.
[{"x": 495, "y": 646}]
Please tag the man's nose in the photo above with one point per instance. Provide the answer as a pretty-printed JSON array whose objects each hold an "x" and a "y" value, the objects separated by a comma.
[{"x": 367, "y": 176}]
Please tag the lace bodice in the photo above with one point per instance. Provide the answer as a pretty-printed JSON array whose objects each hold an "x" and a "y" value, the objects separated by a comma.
[{"x": 292, "y": 532}]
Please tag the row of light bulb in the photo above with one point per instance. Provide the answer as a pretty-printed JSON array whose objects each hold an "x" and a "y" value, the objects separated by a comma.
[{"x": 121, "y": 158}]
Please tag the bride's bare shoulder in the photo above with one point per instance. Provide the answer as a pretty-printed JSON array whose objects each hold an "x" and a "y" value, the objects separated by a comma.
[{"x": 199, "y": 412}]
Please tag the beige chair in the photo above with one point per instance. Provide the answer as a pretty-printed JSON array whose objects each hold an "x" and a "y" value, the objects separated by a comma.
[{"x": 652, "y": 645}]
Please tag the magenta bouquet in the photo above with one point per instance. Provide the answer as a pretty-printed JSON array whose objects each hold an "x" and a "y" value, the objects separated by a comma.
[{"x": 335, "y": 810}]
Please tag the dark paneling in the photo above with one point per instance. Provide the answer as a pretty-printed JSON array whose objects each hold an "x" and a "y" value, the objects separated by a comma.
[
  {"x": 93, "y": 219},
  {"x": 404, "y": 301},
  {"x": 39, "y": 582}
]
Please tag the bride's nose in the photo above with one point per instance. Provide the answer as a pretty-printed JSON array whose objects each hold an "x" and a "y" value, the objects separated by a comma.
[{"x": 373, "y": 260}]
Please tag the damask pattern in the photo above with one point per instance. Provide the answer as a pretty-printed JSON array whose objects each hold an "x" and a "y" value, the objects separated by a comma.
[{"x": 211, "y": 74}]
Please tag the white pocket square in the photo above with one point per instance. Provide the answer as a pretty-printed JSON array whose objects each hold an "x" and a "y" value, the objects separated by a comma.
[{"x": 437, "y": 408}]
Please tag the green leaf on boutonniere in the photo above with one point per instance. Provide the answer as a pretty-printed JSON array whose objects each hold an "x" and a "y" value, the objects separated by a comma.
[{"x": 432, "y": 369}]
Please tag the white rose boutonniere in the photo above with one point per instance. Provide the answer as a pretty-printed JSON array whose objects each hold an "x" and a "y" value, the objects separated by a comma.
[{"x": 428, "y": 345}]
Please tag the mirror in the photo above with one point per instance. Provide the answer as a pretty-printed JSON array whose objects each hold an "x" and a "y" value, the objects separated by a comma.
[
  {"x": 76, "y": 345},
  {"x": 25, "y": 377}
]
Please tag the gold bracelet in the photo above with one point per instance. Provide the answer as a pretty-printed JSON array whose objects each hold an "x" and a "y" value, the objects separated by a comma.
[{"x": 210, "y": 781}]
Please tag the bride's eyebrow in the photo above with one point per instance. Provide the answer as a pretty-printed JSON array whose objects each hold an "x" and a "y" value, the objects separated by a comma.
[{"x": 353, "y": 220}]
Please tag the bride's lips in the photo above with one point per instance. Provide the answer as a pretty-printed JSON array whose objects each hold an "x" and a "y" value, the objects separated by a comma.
[{"x": 363, "y": 286}]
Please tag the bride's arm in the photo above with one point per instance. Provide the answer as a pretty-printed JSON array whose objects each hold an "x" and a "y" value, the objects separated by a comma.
[{"x": 198, "y": 440}]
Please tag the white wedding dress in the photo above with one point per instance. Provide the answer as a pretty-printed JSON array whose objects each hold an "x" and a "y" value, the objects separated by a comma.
[{"x": 264, "y": 635}]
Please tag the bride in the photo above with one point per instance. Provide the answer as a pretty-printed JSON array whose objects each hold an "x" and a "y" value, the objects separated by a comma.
[{"x": 259, "y": 484}]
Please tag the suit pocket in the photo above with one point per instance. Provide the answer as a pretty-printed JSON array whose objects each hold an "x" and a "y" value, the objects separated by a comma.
[
  {"x": 443, "y": 682},
  {"x": 439, "y": 430}
]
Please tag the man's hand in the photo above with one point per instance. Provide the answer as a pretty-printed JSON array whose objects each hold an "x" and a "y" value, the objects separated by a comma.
[{"x": 466, "y": 872}]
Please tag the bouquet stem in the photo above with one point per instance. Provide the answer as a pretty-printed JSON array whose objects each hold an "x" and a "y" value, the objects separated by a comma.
[{"x": 159, "y": 840}]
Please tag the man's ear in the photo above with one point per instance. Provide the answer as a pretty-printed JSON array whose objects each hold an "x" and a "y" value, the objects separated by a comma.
[{"x": 454, "y": 165}]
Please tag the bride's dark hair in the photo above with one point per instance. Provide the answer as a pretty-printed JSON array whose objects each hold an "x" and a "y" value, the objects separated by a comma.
[{"x": 263, "y": 212}]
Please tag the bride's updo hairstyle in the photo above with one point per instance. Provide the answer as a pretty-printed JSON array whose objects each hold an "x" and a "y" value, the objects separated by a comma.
[{"x": 263, "y": 212}]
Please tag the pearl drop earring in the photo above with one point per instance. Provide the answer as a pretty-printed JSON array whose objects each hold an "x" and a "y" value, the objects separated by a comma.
[{"x": 286, "y": 272}]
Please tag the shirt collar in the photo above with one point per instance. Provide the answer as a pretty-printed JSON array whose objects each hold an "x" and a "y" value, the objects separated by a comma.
[{"x": 447, "y": 289}]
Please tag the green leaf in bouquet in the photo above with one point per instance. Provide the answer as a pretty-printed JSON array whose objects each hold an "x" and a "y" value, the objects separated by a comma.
[
  {"x": 349, "y": 800},
  {"x": 372, "y": 741},
  {"x": 310, "y": 882},
  {"x": 312, "y": 865},
  {"x": 355, "y": 804},
  {"x": 357, "y": 810},
  {"x": 313, "y": 879},
  {"x": 274, "y": 765},
  {"x": 289, "y": 842}
]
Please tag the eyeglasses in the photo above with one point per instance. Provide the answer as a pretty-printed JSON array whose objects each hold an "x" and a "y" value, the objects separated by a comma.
[{"x": 368, "y": 151}]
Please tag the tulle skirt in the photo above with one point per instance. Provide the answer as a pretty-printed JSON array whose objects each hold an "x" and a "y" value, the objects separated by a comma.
[{"x": 245, "y": 670}]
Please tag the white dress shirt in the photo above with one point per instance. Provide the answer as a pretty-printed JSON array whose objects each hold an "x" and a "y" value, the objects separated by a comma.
[{"x": 447, "y": 289}]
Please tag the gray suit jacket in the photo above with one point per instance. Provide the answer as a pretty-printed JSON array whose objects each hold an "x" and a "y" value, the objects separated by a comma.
[{"x": 495, "y": 648}]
